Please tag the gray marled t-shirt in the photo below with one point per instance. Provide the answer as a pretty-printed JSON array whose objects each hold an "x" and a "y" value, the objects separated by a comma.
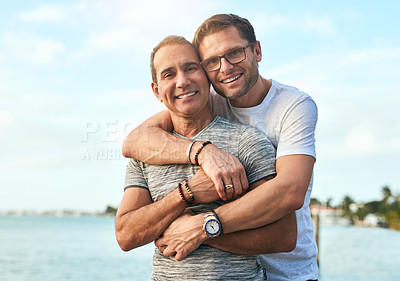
[{"x": 257, "y": 155}]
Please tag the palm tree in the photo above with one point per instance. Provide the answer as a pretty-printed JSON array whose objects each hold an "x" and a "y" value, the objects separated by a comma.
[
  {"x": 347, "y": 201},
  {"x": 387, "y": 194},
  {"x": 329, "y": 202}
]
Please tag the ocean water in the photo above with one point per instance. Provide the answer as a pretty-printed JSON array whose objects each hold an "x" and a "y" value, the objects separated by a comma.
[
  {"x": 34, "y": 248},
  {"x": 359, "y": 254},
  {"x": 84, "y": 248}
]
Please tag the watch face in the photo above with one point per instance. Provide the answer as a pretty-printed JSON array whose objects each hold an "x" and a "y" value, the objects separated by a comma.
[{"x": 212, "y": 227}]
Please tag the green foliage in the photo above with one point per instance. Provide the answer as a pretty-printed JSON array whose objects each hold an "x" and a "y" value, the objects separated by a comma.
[
  {"x": 388, "y": 208},
  {"x": 368, "y": 208},
  {"x": 315, "y": 202},
  {"x": 393, "y": 219},
  {"x": 345, "y": 205},
  {"x": 111, "y": 210}
]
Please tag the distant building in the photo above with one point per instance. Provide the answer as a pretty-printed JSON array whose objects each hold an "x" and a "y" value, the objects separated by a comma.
[
  {"x": 374, "y": 221},
  {"x": 329, "y": 215}
]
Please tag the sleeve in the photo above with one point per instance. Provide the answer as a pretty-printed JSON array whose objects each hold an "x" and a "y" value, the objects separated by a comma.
[
  {"x": 134, "y": 175},
  {"x": 257, "y": 155},
  {"x": 297, "y": 135}
]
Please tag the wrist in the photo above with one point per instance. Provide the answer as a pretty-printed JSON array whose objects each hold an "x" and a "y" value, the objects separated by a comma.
[
  {"x": 199, "y": 152},
  {"x": 186, "y": 193},
  {"x": 188, "y": 152},
  {"x": 195, "y": 147},
  {"x": 212, "y": 225},
  {"x": 201, "y": 234}
]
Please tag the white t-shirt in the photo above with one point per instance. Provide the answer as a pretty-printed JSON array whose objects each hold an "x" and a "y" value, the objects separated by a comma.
[{"x": 288, "y": 117}]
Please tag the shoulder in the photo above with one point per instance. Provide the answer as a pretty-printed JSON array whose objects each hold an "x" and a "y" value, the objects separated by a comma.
[
  {"x": 286, "y": 101},
  {"x": 289, "y": 95},
  {"x": 255, "y": 140},
  {"x": 133, "y": 163},
  {"x": 240, "y": 130},
  {"x": 222, "y": 123},
  {"x": 243, "y": 132}
]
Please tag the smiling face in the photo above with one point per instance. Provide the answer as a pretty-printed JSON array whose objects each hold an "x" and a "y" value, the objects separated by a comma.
[
  {"x": 231, "y": 81},
  {"x": 181, "y": 84}
]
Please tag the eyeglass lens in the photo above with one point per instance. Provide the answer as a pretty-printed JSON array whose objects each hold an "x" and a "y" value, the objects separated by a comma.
[{"x": 233, "y": 57}]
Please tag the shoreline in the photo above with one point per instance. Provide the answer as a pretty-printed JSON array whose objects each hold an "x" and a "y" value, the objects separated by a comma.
[{"x": 55, "y": 213}]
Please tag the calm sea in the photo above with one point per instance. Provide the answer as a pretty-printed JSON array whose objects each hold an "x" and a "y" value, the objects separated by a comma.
[{"x": 84, "y": 249}]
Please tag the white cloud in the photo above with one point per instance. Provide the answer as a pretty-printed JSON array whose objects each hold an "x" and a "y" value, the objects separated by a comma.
[
  {"x": 44, "y": 14},
  {"x": 356, "y": 96},
  {"x": 22, "y": 46},
  {"x": 137, "y": 26},
  {"x": 361, "y": 141},
  {"x": 371, "y": 55},
  {"x": 50, "y": 14},
  {"x": 268, "y": 23},
  {"x": 6, "y": 118},
  {"x": 349, "y": 73},
  {"x": 322, "y": 25},
  {"x": 110, "y": 40},
  {"x": 45, "y": 51}
]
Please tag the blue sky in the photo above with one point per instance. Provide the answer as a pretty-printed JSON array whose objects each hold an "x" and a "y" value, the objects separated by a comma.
[{"x": 75, "y": 79}]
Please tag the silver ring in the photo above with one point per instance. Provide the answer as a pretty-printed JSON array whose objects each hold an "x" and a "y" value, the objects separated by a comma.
[{"x": 228, "y": 186}]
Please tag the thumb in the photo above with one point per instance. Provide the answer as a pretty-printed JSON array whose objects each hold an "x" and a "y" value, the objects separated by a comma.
[{"x": 159, "y": 242}]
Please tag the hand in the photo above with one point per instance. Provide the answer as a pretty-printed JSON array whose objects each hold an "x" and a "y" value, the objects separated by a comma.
[
  {"x": 223, "y": 169},
  {"x": 183, "y": 236},
  {"x": 203, "y": 188}
]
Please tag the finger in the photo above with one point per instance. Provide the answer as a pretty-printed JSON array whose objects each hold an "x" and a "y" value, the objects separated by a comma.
[
  {"x": 229, "y": 189},
  {"x": 160, "y": 242},
  {"x": 220, "y": 188},
  {"x": 180, "y": 255},
  {"x": 169, "y": 251},
  {"x": 243, "y": 180},
  {"x": 162, "y": 249},
  {"x": 237, "y": 186},
  {"x": 228, "y": 185}
]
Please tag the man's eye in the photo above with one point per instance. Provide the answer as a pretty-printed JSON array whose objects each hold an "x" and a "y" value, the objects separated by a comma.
[
  {"x": 213, "y": 60},
  {"x": 210, "y": 62},
  {"x": 192, "y": 68},
  {"x": 234, "y": 53},
  {"x": 167, "y": 75}
]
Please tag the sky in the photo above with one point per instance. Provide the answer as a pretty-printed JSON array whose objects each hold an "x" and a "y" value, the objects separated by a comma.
[{"x": 75, "y": 80}]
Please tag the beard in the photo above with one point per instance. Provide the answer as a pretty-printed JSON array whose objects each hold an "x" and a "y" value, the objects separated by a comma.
[{"x": 250, "y": 80}]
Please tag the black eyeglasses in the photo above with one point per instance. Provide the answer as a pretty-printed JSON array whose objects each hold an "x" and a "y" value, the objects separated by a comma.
[{"x": 233, "y": 57}]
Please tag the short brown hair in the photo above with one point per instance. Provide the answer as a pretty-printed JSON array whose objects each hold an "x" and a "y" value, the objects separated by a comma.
[
  {"x": 220, "y": 21},
  {"x": 169, "y": 40}
]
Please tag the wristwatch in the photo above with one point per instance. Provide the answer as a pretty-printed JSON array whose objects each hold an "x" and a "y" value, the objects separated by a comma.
[{"x": 212, "y": 225}]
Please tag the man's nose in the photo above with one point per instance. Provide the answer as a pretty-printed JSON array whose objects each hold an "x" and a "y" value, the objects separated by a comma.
[
  {"x": 182, "y": 80},
  {"x": 226, "y": 66}
]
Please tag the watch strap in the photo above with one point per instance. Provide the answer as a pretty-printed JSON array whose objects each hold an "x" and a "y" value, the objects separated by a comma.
[{"x": 220, "y": 223}]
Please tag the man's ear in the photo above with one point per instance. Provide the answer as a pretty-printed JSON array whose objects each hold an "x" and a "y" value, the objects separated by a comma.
[
  {"x": 154, "y": 87},
  {"x": 257, "y": 51}
]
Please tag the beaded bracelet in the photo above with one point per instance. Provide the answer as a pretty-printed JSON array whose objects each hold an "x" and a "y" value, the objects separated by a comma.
[
  {"x": 189, "y": 191},
  {"x": 188, "y": 151},
  {"x": 183, "y": 196},
  {"x": 196, "y": 156}
]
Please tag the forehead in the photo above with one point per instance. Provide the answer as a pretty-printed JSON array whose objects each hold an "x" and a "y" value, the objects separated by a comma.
[
  {"x": 219, "y": 42},
  {"x": 174, "y": 56}
]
